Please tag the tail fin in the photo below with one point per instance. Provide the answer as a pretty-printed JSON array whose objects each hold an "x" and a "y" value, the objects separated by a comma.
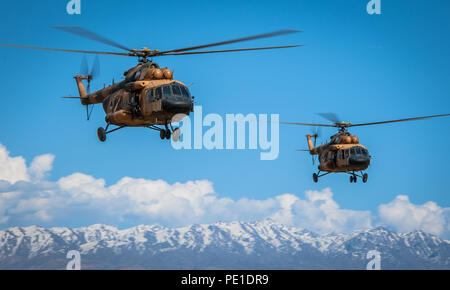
[
  {"x": 81, "y": 89},
  {"x": 310, "y": 143}
]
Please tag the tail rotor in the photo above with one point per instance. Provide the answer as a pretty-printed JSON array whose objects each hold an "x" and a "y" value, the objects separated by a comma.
[{"x": 89, "y": 76}]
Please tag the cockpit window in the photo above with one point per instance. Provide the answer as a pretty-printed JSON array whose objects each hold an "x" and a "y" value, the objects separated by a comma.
[
  {"x": 166, "y": 91},
  {"x": 158, "y": 93},
  {"x": 184, "y": 91},
  {"x": 150, "y": 95},
  {"x": 176, "y": 90},
  {"x": 364, "y": 151},
  {"x": 358, "y": 150},
  {"x": 352, "y": 151}
]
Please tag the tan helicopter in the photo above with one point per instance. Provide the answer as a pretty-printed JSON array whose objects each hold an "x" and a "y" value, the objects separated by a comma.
[
  {"x": 344, "y": 153},
  {"x": 148, "y": 96}
]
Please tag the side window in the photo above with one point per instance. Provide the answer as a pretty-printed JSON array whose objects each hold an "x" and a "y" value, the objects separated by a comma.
[
  {"x": 111, "y": 104},
  {"x": 184, "y": 91},
  {"x": 158, "y": 93},
  {"x": 166, "y": 91},
  {"x": 352, "y": 151},
  {"x": 150, "y": 95},
  {"x": 339, "y": 155},
  {"x": 347, "y": 153},
  {"x": 176, "y": 90}
]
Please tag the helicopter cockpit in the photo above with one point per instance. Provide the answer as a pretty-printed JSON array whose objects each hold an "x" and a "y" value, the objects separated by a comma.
[
  {"x": 167, "y": 91},
  {"x": 355, "y": 155}
]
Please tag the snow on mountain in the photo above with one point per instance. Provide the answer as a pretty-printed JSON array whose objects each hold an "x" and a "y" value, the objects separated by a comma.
[{"x": 233, "y": 245}]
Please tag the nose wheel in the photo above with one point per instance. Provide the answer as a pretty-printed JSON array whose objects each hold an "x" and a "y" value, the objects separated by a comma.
[
  {"x": 354, "y": 177},
  {"x": 166, "y": 133}
]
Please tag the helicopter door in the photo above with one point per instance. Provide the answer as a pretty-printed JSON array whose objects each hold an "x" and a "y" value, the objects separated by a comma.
[
  {"x": 152, "y": 101},
  {"x": 340, "y": 158}
]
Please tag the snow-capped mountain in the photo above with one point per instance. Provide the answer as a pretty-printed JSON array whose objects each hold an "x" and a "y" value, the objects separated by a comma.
[{"x": 234, "y": 245}]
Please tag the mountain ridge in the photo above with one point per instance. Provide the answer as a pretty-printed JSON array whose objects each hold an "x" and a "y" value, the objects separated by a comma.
[{"x": 222, "y": 245}]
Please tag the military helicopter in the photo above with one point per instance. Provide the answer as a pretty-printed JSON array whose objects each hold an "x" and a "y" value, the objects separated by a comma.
[
  {"x": 148, "y": 96},
  {"x": 344, "y": 153}
]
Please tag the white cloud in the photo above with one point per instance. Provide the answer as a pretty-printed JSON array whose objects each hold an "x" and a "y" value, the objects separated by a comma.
[
  {"x": 12, "y": 169},
  {"x": 26, "y": 198},
  {"x": 404, "y": 216},
  {"x": 40, "y": 166}
]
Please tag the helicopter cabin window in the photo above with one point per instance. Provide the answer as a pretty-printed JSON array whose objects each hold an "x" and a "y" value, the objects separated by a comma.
[
  {"x": 347, "y": 153},
  {"x": 339, "y": 154},
  {"x": 150, "y": 95},
  {"x": 166, "y": 90},
  {"x": 158, "y": 93},
  {"x": 184, "y": 91},
  {"x": 176, "y": 90}
]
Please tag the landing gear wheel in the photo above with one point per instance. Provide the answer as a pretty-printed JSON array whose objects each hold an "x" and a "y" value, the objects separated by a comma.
[
  {"x": 351, "y": 179},
  {"x": 365, "y": 177},
  {"x": 176, "y": 135},
  {"x": 315, "y": 177},
  {"x": 355, "y": 179},
  {"x": 101, "y": 134},
  {"x": 168, "y": 134},
  {"x": 162, "y": 134}
]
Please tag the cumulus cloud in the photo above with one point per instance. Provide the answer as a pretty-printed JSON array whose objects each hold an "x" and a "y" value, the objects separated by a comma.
[
  {"x": 12, "y": 169},
  {"x": 27, "y": 198},
  {"x": 40, "y": 166},
  {"x": 405, "y": 216}
]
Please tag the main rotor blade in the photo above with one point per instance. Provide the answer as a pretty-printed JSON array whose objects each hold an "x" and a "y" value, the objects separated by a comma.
[
  {"x": 90, "y": 35},
  {"x": 332, "y": 117},
  {"x": 65, "y": 50},
  {"x": 265, "y": 35},
  {"x": 399, "y": 120},
  {"x": 231, "y": 50},
  {"x": 309, "y": 124}
]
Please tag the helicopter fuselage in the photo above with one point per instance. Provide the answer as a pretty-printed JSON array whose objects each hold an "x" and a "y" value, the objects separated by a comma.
[
  {"x": 342, "y": 154},
  {"x": 148, "y": 96}
]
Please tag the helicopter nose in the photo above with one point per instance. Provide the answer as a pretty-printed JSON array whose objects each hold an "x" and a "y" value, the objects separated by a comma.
[
  {"x": 359, "y": 160},
  {"x": 176, "y": 105}
]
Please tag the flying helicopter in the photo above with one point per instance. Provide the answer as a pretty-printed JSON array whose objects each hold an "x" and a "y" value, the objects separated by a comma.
[
  {"x": 343, "y": 153},
  {"x": 148, "y": 96}
]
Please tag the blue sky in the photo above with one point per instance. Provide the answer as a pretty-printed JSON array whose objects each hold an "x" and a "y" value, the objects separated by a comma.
[{"x": 362, "y": 67}]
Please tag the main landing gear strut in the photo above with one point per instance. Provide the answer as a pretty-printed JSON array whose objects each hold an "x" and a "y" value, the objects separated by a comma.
[
  {"x": 101, "y": 133},
  {"x": 317, "y": 175}
]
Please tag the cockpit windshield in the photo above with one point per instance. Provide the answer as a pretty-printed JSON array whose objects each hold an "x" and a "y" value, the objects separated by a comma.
[{"x": 345, "y": 153}]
